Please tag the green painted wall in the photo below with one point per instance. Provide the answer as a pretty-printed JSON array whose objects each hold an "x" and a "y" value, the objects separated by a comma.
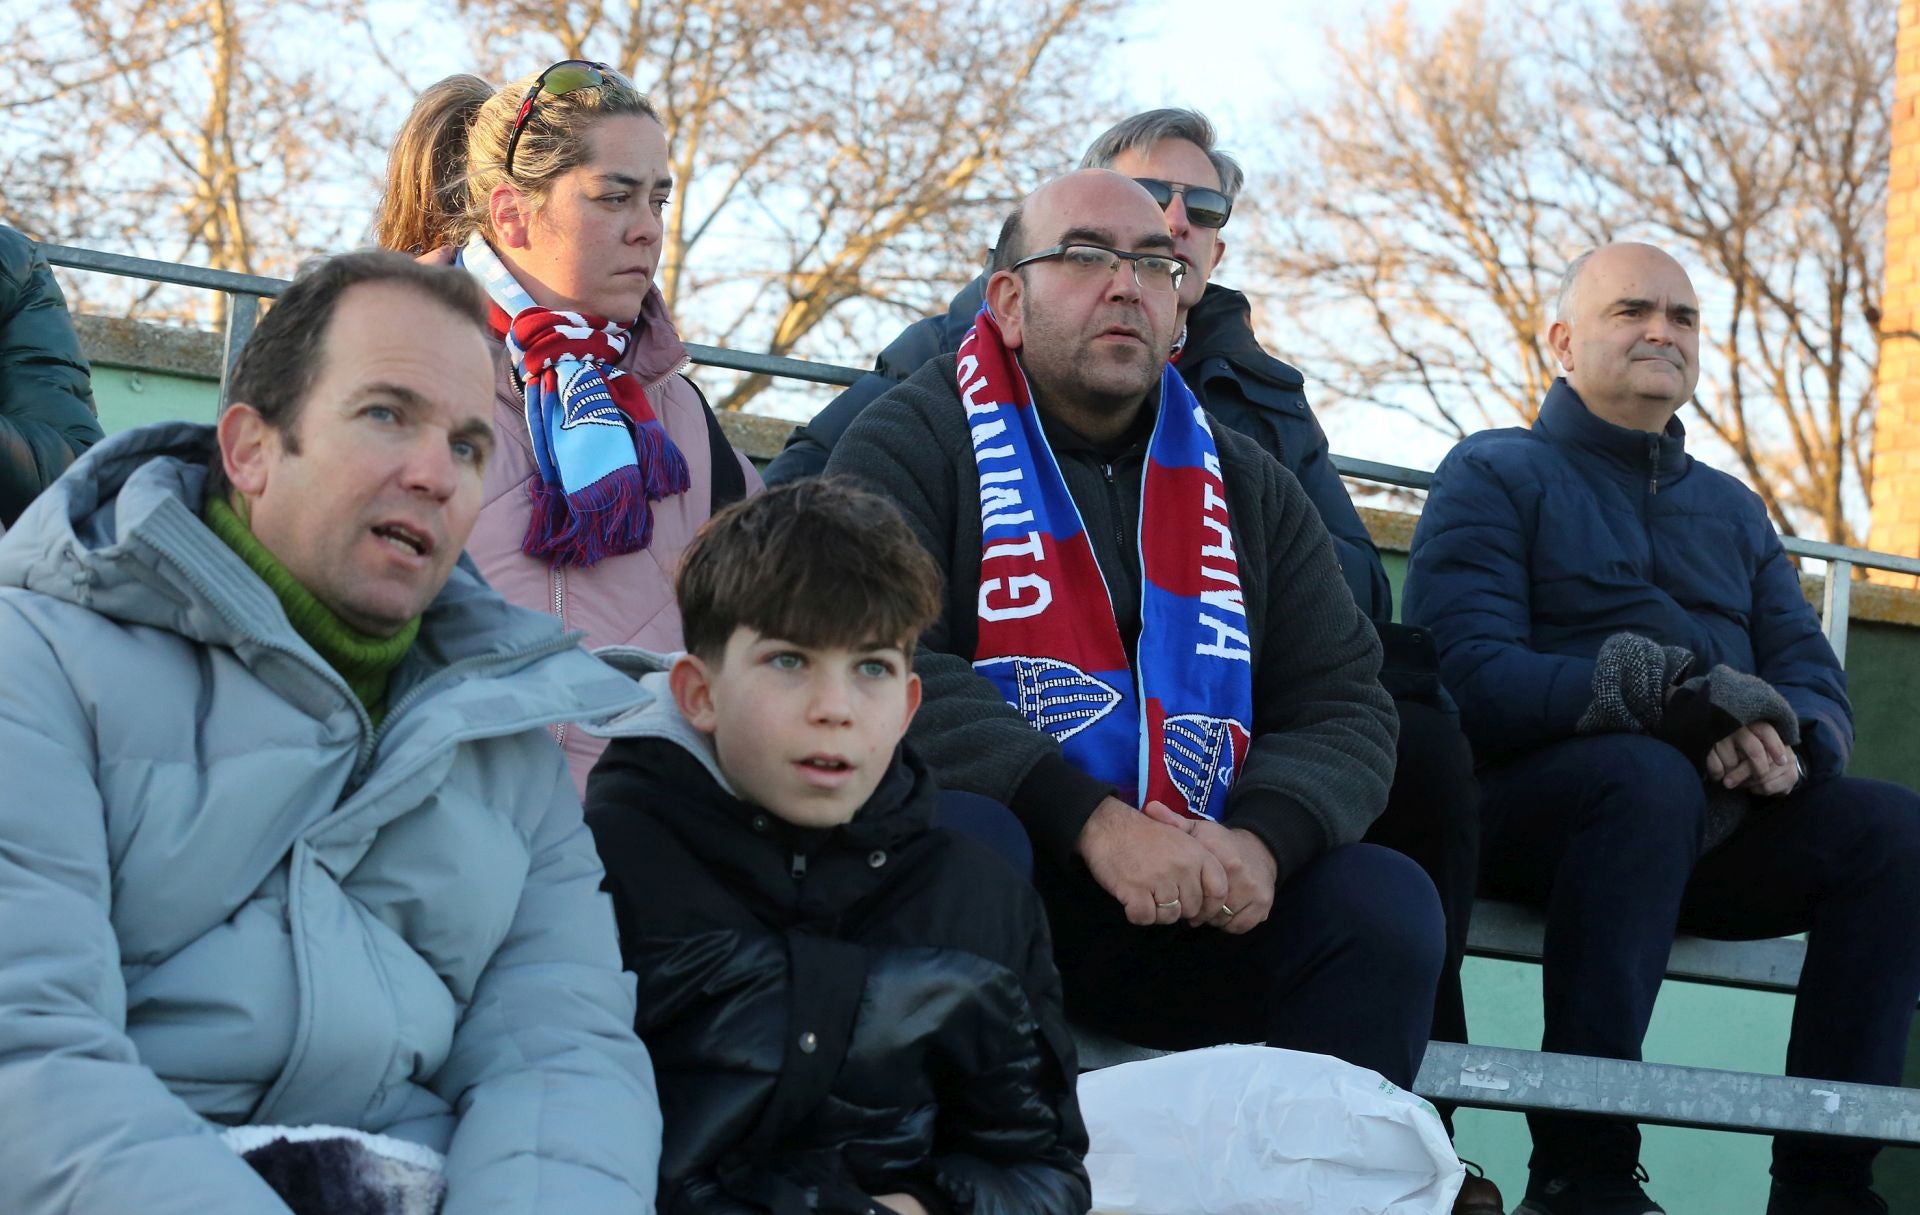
[
  {"x": 1694, "y": 1172},
  {"x": 127, "y": 398}
]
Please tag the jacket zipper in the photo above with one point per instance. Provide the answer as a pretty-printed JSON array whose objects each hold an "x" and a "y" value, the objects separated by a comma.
[
  {"x": 1120, "y": 540},
  {"x": 1113, "y": 508},
  {"x": 364, "y": 751},
  {"x": 1653, "y": 464},
  {"x": 799, "y": 866},
  {"x": 558, "y": 576}
]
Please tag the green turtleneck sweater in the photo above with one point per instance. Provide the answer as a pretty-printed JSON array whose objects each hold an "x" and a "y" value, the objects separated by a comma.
[{"x": 365, "y": 662}]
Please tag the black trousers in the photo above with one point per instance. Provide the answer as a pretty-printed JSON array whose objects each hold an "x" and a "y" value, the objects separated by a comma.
[
  {"x": 1605, "y": 831},
  {"x": 1433, "y": 818},
  {"x": 1344, "y": 966}
]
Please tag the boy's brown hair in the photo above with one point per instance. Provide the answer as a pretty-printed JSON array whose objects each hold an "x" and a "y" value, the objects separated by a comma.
[{"x": 816, "y": 562}]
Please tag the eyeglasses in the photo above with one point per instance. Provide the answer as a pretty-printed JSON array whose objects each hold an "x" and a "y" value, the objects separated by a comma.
[
  {"x": 1151, "y": 271},
  {"x": 559, "y": 79},
  {"x": 1207, "y": 208}
]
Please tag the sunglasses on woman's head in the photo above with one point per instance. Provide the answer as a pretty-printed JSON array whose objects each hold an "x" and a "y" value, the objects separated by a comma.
[
  {"x": 1207, "y": 208},
  {"x": 559, "y": 79}
]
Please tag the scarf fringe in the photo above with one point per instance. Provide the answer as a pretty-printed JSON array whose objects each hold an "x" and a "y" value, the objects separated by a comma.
[
  {"x": 610, "y": 517},
  {"x": 663, "y": 468}
]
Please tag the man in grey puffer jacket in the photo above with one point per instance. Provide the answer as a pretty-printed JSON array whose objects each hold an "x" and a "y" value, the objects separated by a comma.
[{"x": 284, "y": 838}]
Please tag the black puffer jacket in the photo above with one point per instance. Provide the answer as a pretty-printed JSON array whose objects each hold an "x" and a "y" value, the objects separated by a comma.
[
  {"x": 834, "y": 1014},
  {"x": 46, "y": 398}
]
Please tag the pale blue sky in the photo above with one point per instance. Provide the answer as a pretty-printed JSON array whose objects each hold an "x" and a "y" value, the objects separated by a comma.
[{"x": 1255, "y": 60}]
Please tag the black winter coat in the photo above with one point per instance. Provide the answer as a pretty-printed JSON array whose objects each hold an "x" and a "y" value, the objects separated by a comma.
[
  {"x": 835, "y": 1014},
  {"x": 46, "y": 397}
]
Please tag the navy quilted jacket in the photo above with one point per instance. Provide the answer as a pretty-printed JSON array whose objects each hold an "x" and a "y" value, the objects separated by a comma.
[{"x": 1536, "y": 545}]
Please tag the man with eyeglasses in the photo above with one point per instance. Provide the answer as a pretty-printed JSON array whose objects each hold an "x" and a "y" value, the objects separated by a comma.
[
  {"x": 1431, "y": 812},
  {"x": 1186, "y": 716}
]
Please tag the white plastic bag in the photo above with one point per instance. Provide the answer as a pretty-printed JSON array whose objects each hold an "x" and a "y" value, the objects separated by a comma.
[{"x": 1254, "y": 1130}]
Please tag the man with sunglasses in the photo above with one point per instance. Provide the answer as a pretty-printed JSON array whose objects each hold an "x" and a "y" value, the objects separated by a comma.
[{"x": 1187, "y": 716}]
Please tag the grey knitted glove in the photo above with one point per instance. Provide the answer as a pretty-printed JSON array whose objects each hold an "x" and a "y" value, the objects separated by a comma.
[{"x": 1631, "y": 675}]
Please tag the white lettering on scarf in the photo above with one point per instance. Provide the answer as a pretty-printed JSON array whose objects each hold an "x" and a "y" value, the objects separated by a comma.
[
  {"x": 1023, "y": 595},
  {"x": 1000, "y": 499},
  {"x": 1041, "y": 588},
  {"x": 968, "y": 367},
  {"x": 1214, "y": 518}
]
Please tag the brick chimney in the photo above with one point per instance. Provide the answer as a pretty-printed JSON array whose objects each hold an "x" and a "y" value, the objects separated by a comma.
[{"x": 1896, "y": 443}]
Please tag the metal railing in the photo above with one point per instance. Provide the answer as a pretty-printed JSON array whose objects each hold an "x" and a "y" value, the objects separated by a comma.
[{"x": 245, "y": 291}]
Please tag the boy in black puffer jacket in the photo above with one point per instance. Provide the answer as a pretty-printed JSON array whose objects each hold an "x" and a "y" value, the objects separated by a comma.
[{"x": 849, "y": 1009}]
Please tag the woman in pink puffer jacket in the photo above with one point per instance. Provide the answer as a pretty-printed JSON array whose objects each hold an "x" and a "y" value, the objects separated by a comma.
[{"x": 551, "y": 191}]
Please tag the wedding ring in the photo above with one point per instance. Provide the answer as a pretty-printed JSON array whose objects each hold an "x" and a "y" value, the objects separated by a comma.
[{"x": 1228, "y": 911}]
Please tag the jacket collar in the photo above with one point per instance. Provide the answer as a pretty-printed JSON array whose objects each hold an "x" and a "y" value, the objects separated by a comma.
[
  {"x": 1637, "y": 455},
  {"x": 656, "y": 349},
  {"x": 1065, "y": 440},
  {"x": 1220, "y": 326}
]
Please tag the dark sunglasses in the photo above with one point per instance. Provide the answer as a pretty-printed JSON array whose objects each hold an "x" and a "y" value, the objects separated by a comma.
[
  {"x": 560, "y": 79},
  {"x": 1207, "y": 208}
]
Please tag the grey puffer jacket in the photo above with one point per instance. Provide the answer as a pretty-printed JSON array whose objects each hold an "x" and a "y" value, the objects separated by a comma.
[
  {"x": 228, "y": 899},
  {"x": 46, "y": 394}
]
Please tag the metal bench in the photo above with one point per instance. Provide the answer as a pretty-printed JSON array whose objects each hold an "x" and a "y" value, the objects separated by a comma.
[
  {"x": 1499, "y": 1077},
  {"x": 1514, "y": 931}
]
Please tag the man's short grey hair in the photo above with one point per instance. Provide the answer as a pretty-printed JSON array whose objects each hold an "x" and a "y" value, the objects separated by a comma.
[
  {"x": 1567, "y": 280},
  {"x": 1140, "y": 132},
  {"x": 1010, "y": 248}
]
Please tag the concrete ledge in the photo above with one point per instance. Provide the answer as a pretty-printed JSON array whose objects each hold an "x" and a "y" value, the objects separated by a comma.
[
  {"x": 759, "y": 438},
  {"x": 1505, "y": 1078},
  {"x": 1870, "y": 601},
  {"x": 143, "y": 346},
  {"x": 1392, "y": 530},
  {"x": 194, "y": 354}
]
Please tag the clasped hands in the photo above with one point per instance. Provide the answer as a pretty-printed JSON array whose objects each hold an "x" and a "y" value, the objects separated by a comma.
[
  {"x": 1756, "y": 759},
  {"x": 1164, "y": 867}
]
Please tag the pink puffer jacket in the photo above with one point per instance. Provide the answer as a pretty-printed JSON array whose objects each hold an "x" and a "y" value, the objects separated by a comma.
[{"x": 624, "y": 600}]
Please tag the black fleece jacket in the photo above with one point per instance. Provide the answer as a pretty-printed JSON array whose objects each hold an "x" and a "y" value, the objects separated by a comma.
[
  {"x": 836, "y": 1013},
  {"x": 1323, "y": 730}
]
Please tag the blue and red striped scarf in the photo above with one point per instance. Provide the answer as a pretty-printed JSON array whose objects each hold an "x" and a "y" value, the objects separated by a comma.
[
  {"x": 601, "y": 457},
  {"x": 1175, "y": 727}
]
